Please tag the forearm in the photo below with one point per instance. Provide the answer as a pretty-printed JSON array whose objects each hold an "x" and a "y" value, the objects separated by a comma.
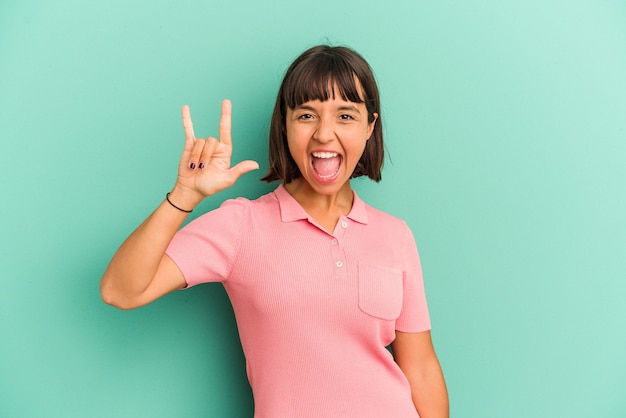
[
  {"x": 416, "y": 357},
  {"x": 139, "y": 272},
  {"x": 429, "y": 392},
  {"x": 134, "y": 265}
]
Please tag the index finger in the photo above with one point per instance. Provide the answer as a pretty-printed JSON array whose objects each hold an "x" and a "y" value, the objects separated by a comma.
[
  {"x": 225, "y": 122},
  {"x": 187, "y": 123}
]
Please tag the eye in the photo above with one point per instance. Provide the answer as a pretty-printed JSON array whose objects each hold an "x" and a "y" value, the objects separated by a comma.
[
  {"x": 305, "y": 116},
  {"x": 346, "y": 116}
]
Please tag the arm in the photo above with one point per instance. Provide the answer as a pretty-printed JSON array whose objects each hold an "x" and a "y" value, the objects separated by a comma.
[
  {"x": 140, "y": 271},
  {"x": 415, "y": 354}
]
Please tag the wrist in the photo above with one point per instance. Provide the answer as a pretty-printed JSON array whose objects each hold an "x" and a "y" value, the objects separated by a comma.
[
  {"x": 183, "y": 198},
  {"x": 167, "y": 197}
]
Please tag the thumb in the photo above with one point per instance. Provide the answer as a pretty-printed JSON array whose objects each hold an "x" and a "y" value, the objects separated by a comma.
[{"x": 243, "y": 168}]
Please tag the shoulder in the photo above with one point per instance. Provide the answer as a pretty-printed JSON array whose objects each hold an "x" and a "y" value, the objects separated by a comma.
[
  {"x": 381, "y": 219},
  {"x": 228, "y": 214},
  {"x": 244, "y": 204},
  {"x": 243, "y": 211},
  {"x": 264, "y": 205},
  {"x": 389, "y": 229}
]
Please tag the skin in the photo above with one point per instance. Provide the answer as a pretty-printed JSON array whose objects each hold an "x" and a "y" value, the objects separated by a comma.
[
  {"x": 342, "y": 127},
  {"x": 140, "y": 271},
  {"x": 415, "y": 354},
  {"x": 336, "y": 126}
]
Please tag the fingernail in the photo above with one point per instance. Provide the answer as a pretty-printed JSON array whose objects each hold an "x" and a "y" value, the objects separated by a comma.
[
  {"x": 201, "y": 166},
  {"x": 192, "y": 166}
]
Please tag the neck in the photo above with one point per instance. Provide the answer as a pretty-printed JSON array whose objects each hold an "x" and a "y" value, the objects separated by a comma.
[{"x": 324, "y": 208}]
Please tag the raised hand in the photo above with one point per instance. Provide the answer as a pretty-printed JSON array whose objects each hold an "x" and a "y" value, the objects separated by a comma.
[{"x": 204, "y": 167}]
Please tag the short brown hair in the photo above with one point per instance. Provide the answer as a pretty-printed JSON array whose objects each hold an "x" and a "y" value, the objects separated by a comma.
[{"x": 314, "y": 76}]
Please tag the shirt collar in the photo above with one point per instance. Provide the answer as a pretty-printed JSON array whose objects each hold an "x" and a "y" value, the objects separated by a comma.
[{"x": 290, "y": 209}]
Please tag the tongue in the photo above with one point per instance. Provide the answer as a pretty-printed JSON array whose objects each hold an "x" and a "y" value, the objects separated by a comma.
[{"x": 326, "y": 166}]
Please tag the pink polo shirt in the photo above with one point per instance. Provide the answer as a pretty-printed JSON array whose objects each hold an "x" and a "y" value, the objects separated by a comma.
[{"x": 315, "y": 310}]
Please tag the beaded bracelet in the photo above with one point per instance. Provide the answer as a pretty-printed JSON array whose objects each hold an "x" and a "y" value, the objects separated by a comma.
[{"x": 167, "y": 197}]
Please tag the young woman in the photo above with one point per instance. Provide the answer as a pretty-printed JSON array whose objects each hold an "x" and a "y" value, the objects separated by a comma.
[{"x": 320, "y": 282}]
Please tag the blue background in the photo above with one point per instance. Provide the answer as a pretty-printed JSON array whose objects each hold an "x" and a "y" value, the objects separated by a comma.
[{"x": 505, "y": 131}]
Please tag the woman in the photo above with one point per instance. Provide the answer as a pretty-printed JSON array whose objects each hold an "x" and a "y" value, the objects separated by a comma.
[{"x": 320, "y": 282}]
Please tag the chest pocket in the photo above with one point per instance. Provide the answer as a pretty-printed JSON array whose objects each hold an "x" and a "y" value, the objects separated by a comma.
[{"x": 380, "y": 291}]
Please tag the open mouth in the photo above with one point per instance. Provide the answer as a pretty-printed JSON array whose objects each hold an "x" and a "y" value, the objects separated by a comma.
[{"x": 326, "y": 164}]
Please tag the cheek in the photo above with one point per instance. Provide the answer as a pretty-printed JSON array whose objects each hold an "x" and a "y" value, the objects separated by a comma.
[
  {"x": 296, "y": 140},
  {"x": 363, "y": 150},
  {"x": 297, "y": 150}
]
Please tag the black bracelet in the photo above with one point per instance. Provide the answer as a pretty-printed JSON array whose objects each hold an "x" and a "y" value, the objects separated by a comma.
[{"x": 167, "y": 197}]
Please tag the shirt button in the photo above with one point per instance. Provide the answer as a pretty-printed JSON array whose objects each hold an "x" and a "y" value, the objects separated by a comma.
[
  {"x": 334, "y": 241},
  {"x": 339, "y": 264},
  {"x": 344, "y": 224}
]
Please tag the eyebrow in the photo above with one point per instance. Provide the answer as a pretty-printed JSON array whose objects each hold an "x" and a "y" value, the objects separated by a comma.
[
  {"x": 303, "y": 107},
  {"x": 352, "y": 108},
  {"x": 341, "y": 108}
]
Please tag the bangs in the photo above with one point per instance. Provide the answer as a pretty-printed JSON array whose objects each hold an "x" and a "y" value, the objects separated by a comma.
[
  {"x": 318, "y": 78},
  {"x": 323, "y": 73}
]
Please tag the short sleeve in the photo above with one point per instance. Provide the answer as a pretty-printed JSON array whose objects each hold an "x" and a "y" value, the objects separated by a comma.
[
  {"x": 205, "y": 249},
  {"x": 414, "y": 316}
]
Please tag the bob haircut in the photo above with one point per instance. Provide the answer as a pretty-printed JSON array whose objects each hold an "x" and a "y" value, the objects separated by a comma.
[{"x": 315, "y": 75}]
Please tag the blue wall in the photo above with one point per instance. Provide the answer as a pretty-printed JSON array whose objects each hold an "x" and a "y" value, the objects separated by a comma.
[{"x": 505, "y": 127}]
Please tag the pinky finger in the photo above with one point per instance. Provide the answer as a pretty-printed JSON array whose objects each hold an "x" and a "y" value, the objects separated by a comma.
[
  {"x": 189, "y": 136},
  {"x": 187, "y": 123}
]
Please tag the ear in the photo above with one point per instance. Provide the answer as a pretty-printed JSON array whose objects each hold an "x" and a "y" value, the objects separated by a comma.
[{"x": 370, "y": 125}]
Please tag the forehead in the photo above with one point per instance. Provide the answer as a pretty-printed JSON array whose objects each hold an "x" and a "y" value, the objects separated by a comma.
[
  {"x": 336, "y": 103},
  {"x": 323, "y": 86}
]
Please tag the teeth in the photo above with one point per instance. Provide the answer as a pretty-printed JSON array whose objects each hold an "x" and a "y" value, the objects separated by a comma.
[
  {"x": 325, "y": 154},
  {"x": 327, "y": 176}
]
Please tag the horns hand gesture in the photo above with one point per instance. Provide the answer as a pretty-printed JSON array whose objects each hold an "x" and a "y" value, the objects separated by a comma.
[{"x": 204, "y": 167}]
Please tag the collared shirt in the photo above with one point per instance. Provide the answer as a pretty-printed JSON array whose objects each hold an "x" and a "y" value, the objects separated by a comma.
[{"x": 315, "y": 310}]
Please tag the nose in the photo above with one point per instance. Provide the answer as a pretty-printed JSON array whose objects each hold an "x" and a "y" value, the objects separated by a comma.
[{"x": 325, "y": 131}]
